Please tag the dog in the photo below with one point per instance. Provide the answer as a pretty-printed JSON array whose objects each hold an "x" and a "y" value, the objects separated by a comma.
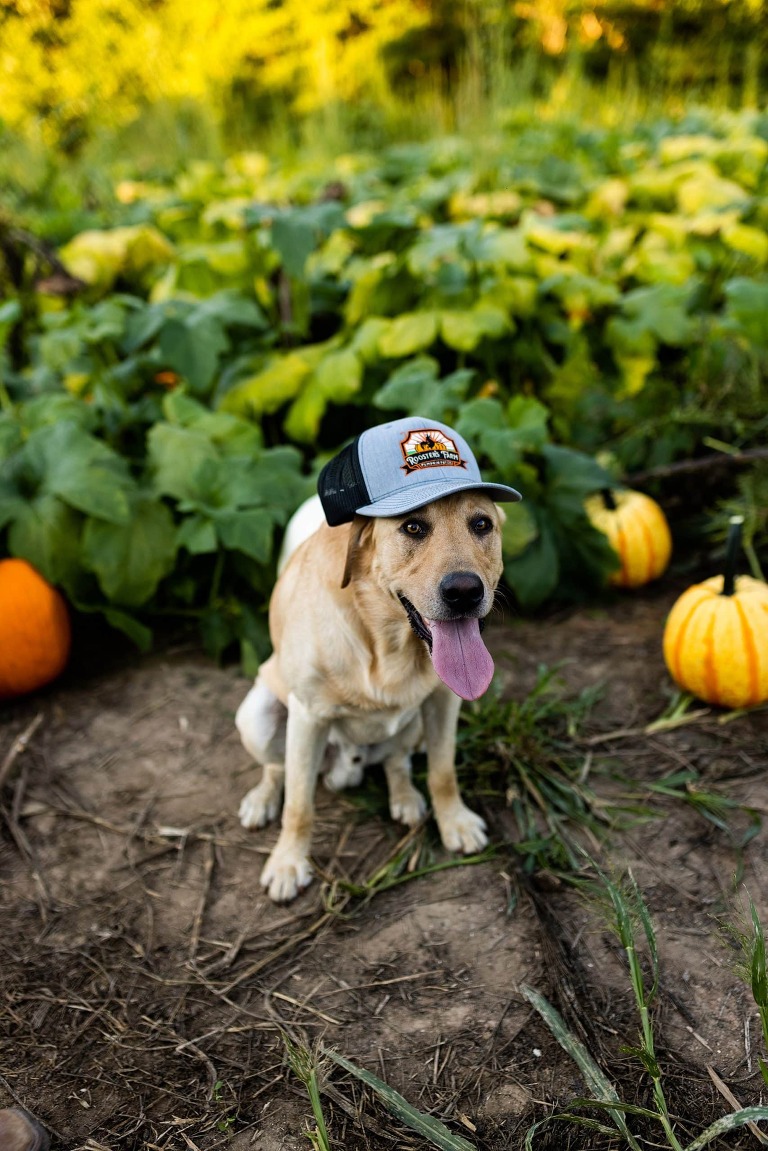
[{"x": 375, "y": 623}]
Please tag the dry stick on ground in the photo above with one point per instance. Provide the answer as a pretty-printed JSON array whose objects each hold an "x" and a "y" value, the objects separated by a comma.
[
  {"x": 727, "y": 1094},
  {"x": 19, "y": 745},
  {"x": 210, "y": 860}
]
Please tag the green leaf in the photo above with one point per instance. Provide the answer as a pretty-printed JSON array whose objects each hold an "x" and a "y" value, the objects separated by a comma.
[
  {"x": 464, "y": 330},
  {"x": 175, "y": 455},
  {"x": 270, "y": 388},
  {"x": 747, "y": 308},
  {"x": 46, "y": 532},
  {"x": 336, "y": 379},
  {"x": 518, "y": 530},
  {"x": 129, "y": 560},
  {"x": 249, "y": 531},
  {"x": 407, "y": 384},
  {"x": 294, "y": 239},
  {"x": 81, "y": 470},
  {"x": 662, "y": 311},
  {"x": 197, "y": 535},
  {"x": 193, "y": 347},
  {"x": 533, "y": 575},
  {"x": 231, "y": 309},
  {"x": 137, "y": 632},
  {"x": 414, "y": 389},
  {"x": 366, "y": 338},
  {"x": 10, "y": 312},
  {"x": 571, "y": 477},
  {"x": 409, "y": 333},
  {"x": 425, "y": 1125}
]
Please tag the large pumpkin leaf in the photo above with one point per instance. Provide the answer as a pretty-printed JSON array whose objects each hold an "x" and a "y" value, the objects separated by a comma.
[
  {"x": 249, "y": 531},
  {"x": 193, "y": 348},
  {"x": 415, "y": 389},
  {"x": 270, "y": 388},
  {"x": 533, "y": 574},
  {"x": 46, "y": 532},
  {"x": 81, "y": 470},
  {"x": 336, "y": 379},
  {"x": 409, "y": 333},
  {"x": 175, "y": 455},
  {"x": 747, "y": 308},
  {"x": 662, "y": 311},
  {"x": 129, "y": 560},
  {"x": 463, "y": 330}
]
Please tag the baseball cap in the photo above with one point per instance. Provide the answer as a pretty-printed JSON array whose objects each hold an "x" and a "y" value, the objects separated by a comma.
[{"x": 397, "y": 467}]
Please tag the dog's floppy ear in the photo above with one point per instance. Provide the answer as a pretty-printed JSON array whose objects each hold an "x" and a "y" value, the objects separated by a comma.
[
  {"x": 359, "y": 532},
  {"x": 502, "y": 514}
]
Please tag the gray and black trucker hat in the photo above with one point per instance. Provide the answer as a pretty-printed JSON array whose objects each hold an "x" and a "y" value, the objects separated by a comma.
[{"x": 397, "y": 467}]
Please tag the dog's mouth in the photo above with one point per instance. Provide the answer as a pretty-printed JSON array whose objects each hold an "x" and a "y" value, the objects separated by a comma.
[{"x": 456, "y": 649}]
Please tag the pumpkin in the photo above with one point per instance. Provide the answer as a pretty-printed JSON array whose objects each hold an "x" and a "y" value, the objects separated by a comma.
[
  {"x": 636, "y": 529},
  {"x": 35, "y": 634},
  {"x": 716, "y": 636}
]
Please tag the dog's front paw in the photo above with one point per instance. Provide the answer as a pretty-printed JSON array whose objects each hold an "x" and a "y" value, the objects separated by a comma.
[
  {"x": 285, "y": 874},
  {"x": 462, "y": 830},
  {"x": 260, "y": 805},
  {"x": 408, "y": 806}
]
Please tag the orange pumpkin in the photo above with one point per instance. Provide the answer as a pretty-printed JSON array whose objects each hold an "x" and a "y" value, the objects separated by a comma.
[
  {"x": 636, "y": 529},
  {"x": 35, "y": 634},
  {"x": 716, "y": 636}
]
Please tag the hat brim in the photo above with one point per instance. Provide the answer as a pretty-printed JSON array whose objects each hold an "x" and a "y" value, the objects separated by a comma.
[{"x": 399, "y": 503}]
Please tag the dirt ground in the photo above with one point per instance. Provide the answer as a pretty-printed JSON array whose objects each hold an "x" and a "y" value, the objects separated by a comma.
[{"x": 146, "y": 978}]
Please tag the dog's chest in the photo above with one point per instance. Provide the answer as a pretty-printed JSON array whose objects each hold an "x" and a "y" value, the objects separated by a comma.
[{"x": 372, "y": 727}]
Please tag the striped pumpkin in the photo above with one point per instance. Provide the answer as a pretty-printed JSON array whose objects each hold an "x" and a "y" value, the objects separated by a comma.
[
  {"x": 638, "y": 532},
  {"x": 716, "y": 637}
]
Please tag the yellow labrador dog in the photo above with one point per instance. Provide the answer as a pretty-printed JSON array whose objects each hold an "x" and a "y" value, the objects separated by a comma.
[{"x": 375, "y": 622}]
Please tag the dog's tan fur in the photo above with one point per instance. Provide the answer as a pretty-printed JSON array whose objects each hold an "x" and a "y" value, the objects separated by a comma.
[{"x": 348, "y": 669}]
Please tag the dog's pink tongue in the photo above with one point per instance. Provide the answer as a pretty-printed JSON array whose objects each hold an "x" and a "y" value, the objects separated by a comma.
[{"x": 460, "y": 657}]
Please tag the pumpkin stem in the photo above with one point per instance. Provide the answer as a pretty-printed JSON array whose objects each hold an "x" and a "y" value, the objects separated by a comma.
[
  {"x": 608, "y": 499},
  {"x": 732, "y": 549}
]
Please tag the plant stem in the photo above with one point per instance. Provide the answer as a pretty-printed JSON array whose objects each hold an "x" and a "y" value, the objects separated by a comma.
[
  {"x": 732, "y": 549},
  {"x": 608, "y": 499}
]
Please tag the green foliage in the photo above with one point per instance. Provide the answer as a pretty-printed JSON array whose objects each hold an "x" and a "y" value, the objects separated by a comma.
[{"x": 237, "y": 324}]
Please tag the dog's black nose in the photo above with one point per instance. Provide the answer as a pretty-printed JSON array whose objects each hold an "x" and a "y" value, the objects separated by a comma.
[{"x": 462, "y": 591}]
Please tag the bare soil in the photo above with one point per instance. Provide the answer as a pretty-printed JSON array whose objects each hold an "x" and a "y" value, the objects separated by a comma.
[{"x": 146, "y": 978}]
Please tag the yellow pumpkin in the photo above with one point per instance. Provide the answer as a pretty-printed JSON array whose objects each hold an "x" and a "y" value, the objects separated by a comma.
[
  {"x": 34, "y": 629},
  {"x": 637, "y": 530},
  {"x": 716, "y": 637}
]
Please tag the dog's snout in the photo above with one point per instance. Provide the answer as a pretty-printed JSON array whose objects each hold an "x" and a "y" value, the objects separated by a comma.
[{"x": 462, "y": 591}]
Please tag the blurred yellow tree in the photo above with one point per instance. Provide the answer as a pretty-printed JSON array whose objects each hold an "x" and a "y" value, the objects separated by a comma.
[
  {"x": 67, "y": 66},
  {"x": 64, "y": 61}
]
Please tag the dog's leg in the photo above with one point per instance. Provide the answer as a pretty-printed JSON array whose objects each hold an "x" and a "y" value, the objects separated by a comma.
[
  {"x": 288, "y": 868},
  {"x": 406, "y": 803},
  {"x": 261, "y": 804},
  {"x": 261, "y": 720},
  {"x": 460, "y": 828}
]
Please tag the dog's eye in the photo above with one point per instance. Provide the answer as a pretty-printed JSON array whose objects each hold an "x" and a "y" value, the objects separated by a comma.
[
  {"x": 482, "y": 525},
  {"x": 414, "y": 528}
]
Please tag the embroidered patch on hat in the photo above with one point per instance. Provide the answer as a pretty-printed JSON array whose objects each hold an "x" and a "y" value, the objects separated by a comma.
[{"x": 429, "y": 448}]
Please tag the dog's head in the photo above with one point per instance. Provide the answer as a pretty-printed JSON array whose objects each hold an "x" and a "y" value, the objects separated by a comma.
[{"x": 441, "y": 563}]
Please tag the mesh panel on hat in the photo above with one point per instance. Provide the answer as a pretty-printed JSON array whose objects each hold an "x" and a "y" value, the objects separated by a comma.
[{"x": 341, "y": 487}]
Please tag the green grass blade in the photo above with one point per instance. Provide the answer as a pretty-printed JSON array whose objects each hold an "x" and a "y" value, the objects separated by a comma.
[
  {"x": 728, "y": 1123},
  {"x": 595, "y": 1079},
  {"x": 592, "y": 1124},
  {"x": 425, "y": 1125}
]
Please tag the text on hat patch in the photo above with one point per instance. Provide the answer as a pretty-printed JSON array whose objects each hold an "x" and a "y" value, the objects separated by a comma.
[{"x": 429, "y": 448}]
